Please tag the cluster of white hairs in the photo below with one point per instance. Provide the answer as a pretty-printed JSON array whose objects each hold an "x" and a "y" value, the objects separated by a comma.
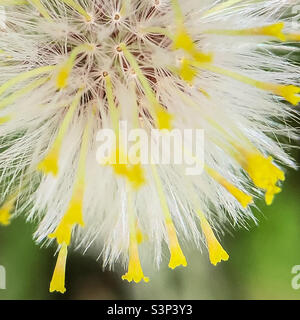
[{"x": 69, "y": 68}]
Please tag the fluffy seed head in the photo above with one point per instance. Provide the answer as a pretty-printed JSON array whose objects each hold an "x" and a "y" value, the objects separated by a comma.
[{"x": 71, "y": 68}]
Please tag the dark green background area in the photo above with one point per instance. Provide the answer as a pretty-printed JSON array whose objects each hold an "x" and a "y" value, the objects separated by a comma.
[{"x": 261, "y": 260}]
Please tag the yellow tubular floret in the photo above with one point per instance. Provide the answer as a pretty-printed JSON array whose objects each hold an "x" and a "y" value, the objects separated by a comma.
[
  {"x": 182, "y": 40},
  {"x": 50, "y": 163},
  {"x": 290, "y": 93},
  {"x": 264, "y": 173},
  {"x": 22, "y": 92},
  {"x": 243, "y": 198},
  {"x": 73, "y": 215},
  {"x": 119, "y": 160},
  {"x": 58, "y": 279},
  {"x": 162, "y": 117},
  {"x": 273, "y": 30},
  {"x": 216, "y": 251},
  {"x": 24, "y": 76},
  {"x": 65, "y": 70},
  {"x": 135, "y": 271},
  {"x": 177, "y": 257}
]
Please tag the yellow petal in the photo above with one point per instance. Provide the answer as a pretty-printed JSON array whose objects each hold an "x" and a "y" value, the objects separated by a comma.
[
  {"x": 135, "y": 272},
  {"x": 216, "y": 251},
  {"x": 58, "y": 279},
  {"x": 243, "y": 198},
  {"x": 289, "y": 93},
  {"x": 177, "y": 257},
  {"x": 73, "y": 216},
  {"x": 264, "y": 174}
]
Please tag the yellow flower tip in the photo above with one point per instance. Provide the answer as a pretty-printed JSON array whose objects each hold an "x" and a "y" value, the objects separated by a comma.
[
  {"x": 183, "y": 41},
  {"x": 135, "y": 272},
  {"x": 274, "y": 30},
  {"x": 62, "y": 77},
  {"x": 246, "y": 201},
  {"x": 216, "y": 251},
  {"x": 243, "y": 198},
  {"x": 177, "y": 258},
  {"x": 62, "y": 233},
  {"x": 290, "y": 93},
  {"x": 135, "y": 277},
  {"x": 73, "y": 216},
  {"x": 270, "y": 193},
  {"x": 164, "y": 119},
  {"x": 56, "y": 287},
  {"x": 264, "y": 174},
  {"x": 58, "y": 279}
]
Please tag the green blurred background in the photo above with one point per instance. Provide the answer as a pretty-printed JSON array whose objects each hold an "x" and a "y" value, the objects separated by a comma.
[{"x": 260, "y": 264}]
